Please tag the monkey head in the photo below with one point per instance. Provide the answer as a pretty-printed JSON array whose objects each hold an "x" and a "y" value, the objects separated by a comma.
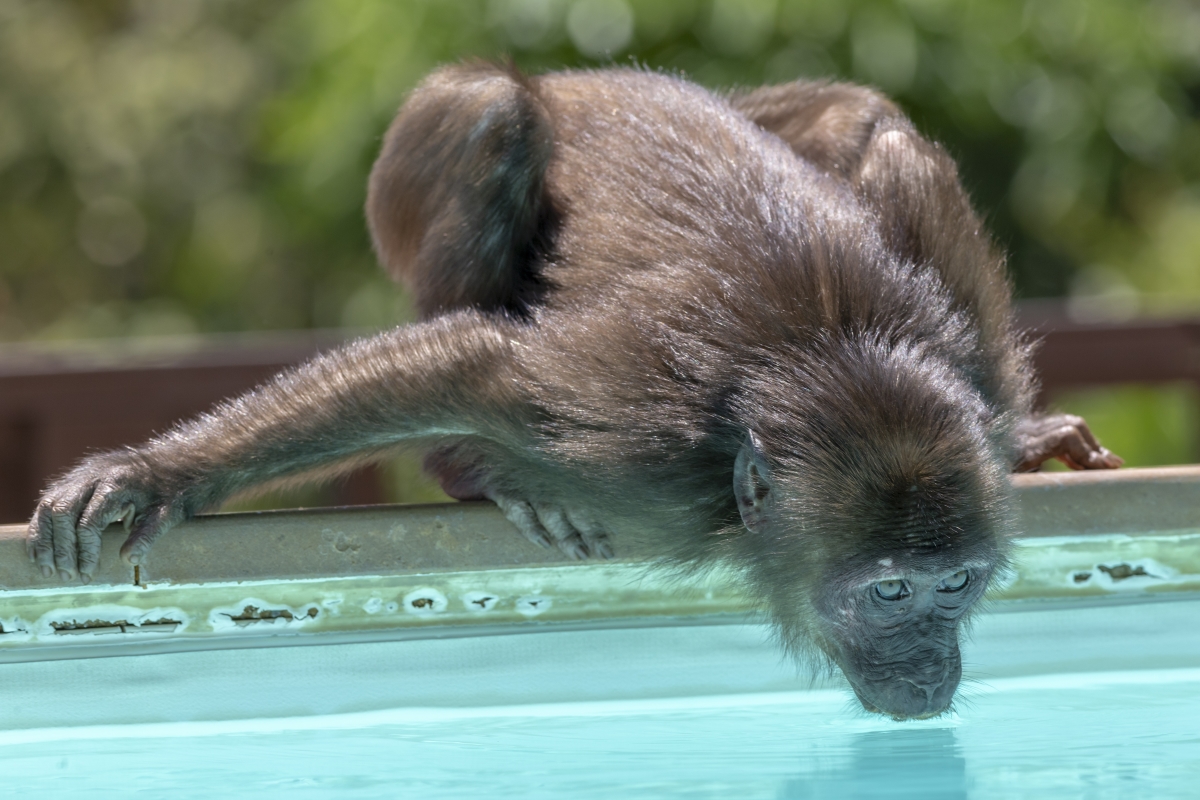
[{"x": 872, "y": 529}]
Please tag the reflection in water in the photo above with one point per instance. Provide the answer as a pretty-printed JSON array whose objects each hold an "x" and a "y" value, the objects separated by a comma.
[{"x": 915, "y": 762}]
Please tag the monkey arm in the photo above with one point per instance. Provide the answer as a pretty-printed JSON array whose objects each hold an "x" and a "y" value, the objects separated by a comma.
[
  {"x": 912, "y": 185},
  {"x": 450, "y": 377}
]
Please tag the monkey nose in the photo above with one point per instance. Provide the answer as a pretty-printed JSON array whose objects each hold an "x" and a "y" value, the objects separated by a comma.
[{"x": 929, "y": 700}]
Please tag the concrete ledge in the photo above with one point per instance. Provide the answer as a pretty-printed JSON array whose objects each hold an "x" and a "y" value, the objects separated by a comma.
[
  {"x": 1131, "y": 501},
  {"x": 396, "y": 540},
  {"x": 304, "y": 544},
  {"x": 272, "y": 577}
]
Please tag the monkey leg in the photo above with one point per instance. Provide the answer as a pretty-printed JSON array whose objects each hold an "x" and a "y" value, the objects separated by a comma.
[
  {"x": 924, "y": 215},
  {"x": 456, "y": 199},
  {"x": 449, "y": 379},
  {"x": 461, "y": 478},
  {"x": 911, "y": 183},
  {"x": 827, "y": 124},
  {"x": 1062, "y": 436}
]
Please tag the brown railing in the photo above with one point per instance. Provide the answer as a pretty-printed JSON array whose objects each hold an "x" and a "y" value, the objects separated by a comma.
[
  {"x": 56, "y": 405},
  {"x": 1072, "y": 354}
]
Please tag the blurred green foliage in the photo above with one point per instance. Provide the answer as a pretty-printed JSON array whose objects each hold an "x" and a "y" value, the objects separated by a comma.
[{"x": 199, "y": 165}]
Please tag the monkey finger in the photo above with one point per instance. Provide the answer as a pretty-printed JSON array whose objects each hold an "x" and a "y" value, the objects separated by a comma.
[
  {"x": 1071, "y": 463},
  {"x": 521, "y": 514},
  {"x": 1083, "y": 445},
  {"x": 594, "y": 535},
  {"x": 105, "y": 509},
  {"x": 146, "y": 530},
  {"x": 39, "y": 542},
  {"x": 64, "y": 518},
  {"x": 1072, "y": 447},
  {"x": 1088, "y": 453},
  {"x": 565, "y": 536},
  {"x": 1098, "y": 456},
  {"x": 1080, "y": 424}
]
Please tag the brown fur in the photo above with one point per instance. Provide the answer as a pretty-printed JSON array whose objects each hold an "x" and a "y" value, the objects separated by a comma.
[{"x": 766, "y": 330}]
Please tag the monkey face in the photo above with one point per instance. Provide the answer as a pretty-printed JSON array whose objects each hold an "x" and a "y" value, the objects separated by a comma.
[{"x": 894, "y": 633}]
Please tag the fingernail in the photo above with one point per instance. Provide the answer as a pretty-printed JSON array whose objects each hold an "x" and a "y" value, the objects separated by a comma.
[
  {"x": 134, "y": 559},
  {"x": 47, "y": 571},
  {"x": 85, "y": 578},
  {"x": 68, "y": 574}
]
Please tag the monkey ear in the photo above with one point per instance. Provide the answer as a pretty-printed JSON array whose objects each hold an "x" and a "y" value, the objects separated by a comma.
[{"x": 752, "y": 484}]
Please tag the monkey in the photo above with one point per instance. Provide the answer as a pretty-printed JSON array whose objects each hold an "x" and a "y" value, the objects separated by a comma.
[{"x": 762, "y": 328}]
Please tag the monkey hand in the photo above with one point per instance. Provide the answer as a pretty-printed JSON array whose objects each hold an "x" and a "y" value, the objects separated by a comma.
[
  {"x": 575, "y": 532},
  {"x": 64, "y": 534},
  {"x": 1062, "y": 436}
]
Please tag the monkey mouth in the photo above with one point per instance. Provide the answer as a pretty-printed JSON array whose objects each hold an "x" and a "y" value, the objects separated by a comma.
[
  {"x": 872, "y": 708},
  {"x": 903, "y": 699},
  {"x": 920, "y": 689}
]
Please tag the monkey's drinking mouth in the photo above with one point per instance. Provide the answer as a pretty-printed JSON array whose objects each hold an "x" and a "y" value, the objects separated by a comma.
[
  {"x": 903, "y": 699},
  {"x": 901, "y": 717}
]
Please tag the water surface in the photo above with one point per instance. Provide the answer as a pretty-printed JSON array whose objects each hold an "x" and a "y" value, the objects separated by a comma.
[{"x": 1091, "y": 735}]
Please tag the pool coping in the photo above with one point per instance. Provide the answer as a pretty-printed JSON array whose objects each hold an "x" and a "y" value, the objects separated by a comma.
[{"x": 451, "y": 569}]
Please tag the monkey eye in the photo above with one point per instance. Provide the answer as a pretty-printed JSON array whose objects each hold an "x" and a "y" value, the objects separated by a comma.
[
  {"x": 891, "y": 590},
  {"x": 955, "y": 583}
]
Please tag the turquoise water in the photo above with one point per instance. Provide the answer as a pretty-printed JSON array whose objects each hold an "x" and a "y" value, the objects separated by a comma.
[
  {"x": 1098, "y": 735},
  {"x": 1079, "y": 702}
]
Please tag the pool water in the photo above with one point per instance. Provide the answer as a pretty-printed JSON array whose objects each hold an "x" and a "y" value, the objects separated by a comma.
[
  {"x": 1060, "y": 703},
  {"x": 1098, "y": 735}
]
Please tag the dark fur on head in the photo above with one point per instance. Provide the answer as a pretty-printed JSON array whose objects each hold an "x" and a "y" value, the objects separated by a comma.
[{"x": 893, "y": 475}]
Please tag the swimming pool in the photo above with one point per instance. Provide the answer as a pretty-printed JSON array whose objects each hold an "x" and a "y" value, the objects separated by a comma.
[
  {"x": 1059, "y": 702},
  {"x": 1082, "y": 679}
]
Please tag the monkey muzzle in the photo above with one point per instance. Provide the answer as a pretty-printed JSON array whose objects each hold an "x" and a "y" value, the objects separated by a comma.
[{"x": 917, "y": 688}]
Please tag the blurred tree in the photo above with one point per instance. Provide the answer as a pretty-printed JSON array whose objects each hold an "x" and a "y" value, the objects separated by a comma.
[{"x": 199, "y": 164}]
